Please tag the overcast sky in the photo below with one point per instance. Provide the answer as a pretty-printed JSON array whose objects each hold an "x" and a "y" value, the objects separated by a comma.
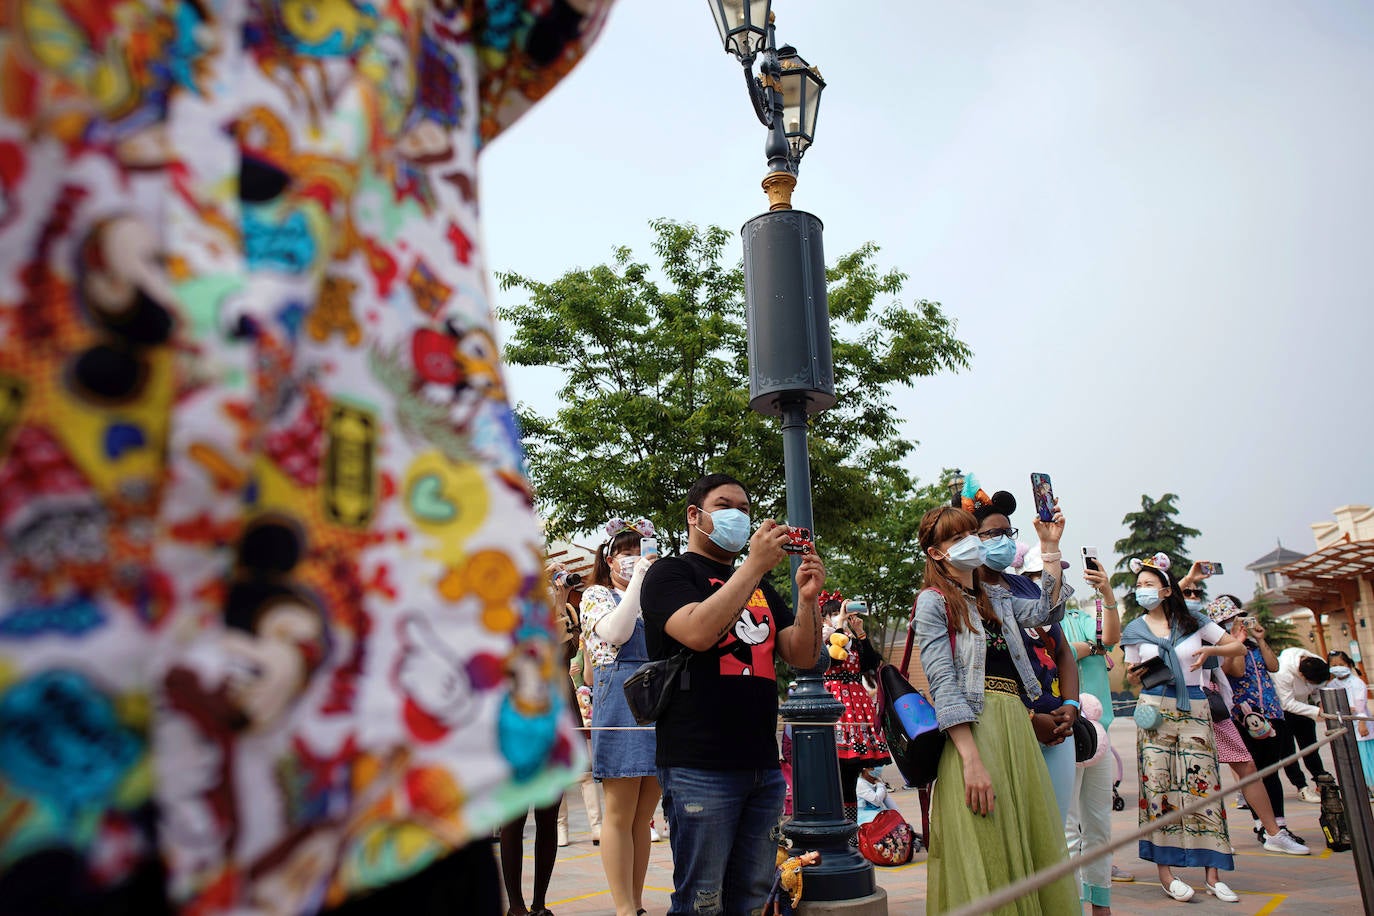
[{"x": 1154, "y": 223}]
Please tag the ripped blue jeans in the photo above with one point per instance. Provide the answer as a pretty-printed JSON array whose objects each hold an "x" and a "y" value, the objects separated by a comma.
[{"x": 721, "y": 822}]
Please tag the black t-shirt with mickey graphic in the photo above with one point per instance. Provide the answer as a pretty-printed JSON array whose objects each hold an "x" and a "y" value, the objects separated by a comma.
[{"x": 727, "y": 717}]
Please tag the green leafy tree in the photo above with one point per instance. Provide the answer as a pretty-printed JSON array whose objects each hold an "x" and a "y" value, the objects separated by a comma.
[
  {"x": 655, "y": 393},
  {"x": 881, "y": 562},
  {"x": 1153, "y": 529}
]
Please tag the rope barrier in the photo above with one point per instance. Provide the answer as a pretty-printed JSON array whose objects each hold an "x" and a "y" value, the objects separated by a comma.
[{"x": 1049, "y": 875}]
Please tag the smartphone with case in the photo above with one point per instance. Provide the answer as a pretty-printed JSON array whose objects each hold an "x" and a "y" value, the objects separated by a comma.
[
  {"x": 1210, "y": 569},
  {"x": 1090, "y": 558},
  {"x": 648, "y": 547},
  {"x": 1044, "y": 496}
]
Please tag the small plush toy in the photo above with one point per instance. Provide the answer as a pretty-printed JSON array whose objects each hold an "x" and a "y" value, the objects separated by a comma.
[
  {"x": 973, "y": 495},
  {"x": 786, "y": 893},
  {"x": 839, "y": 646}
]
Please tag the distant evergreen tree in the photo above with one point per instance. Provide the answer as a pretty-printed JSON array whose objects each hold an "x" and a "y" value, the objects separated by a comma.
[{"x": 1153, "y": 529}]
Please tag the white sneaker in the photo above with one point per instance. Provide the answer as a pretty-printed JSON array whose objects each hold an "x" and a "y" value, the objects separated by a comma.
[
  {"x": 1285, "y": 843},
  {"x": 1310, "y": 795},
  {"x": 1120, "y": 874},
  {"x": 1222, "y": 893},
  {"x": 562, "y": 834},
  {"x": 654, "y": 837},
  {"x": 1179, "y": 891}
]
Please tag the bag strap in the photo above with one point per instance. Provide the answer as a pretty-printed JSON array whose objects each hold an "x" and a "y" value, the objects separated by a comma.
[{"x": 911, "y": 629}]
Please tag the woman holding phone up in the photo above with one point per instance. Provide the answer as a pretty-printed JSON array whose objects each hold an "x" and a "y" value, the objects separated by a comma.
[
  {"x": 622, "y": 756},
  {"x": 993, "y": 817},
  {"x": 1176, "y": 753}
]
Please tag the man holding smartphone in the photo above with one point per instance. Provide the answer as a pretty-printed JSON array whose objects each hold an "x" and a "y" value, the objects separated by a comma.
[{"x": 717, "y": 754}]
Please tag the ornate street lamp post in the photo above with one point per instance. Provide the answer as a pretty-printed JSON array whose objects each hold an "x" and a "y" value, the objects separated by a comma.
[{"x": 791, "y": 376}]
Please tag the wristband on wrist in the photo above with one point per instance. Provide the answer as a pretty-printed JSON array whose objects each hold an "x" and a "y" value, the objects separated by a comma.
[
  {"x": 1112, "y": 606},
  {"x": 1074, "y": 703}
]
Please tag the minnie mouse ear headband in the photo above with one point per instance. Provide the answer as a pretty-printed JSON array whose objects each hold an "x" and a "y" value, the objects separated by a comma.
[
  {"x": 642, "y": 525},
  {"x": 825, "y": 598},
  {"x": 1000, "y": 503},
  {"x": 1159, "y": 563},
  {"x": 1222, "y": 610}
]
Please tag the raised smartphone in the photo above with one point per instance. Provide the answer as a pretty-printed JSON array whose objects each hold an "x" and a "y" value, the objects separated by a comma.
[
  {"x": 648, "y": 547},
  {"x": 1044, "y": 496},
  {"x": 1210, "y": 569},
  {"x": 1090, "y": 558}
]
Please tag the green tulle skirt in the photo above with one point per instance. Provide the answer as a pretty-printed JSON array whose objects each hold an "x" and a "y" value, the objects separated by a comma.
[{"x": 973, "y": 856}]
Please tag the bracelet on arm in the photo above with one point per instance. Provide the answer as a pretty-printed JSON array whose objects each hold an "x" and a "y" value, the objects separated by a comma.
[
  {"x": 1055, "y": 555},
  {"x": 1074, "y": 703},
  {"x": 1111, "y": 606}
]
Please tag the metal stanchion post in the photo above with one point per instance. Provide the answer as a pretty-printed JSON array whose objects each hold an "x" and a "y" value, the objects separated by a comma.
[{"x": 1349, "y": 774}]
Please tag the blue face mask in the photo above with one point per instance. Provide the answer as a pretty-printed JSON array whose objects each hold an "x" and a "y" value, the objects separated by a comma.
[
  {"x": 999, "y": 552},
  {"x": 1340, "y": 672},
  {"x": 1194, "y": 605},
  {"x": 729, "y": 529},
  {"x": 967, "y": 553},
  {"x": 1148, "y": 598}
]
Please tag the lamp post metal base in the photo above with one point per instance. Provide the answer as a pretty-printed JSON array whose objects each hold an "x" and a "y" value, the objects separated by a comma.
[
  {"x": 818, "y": 820},
  {"x": 875, "y": 904}
]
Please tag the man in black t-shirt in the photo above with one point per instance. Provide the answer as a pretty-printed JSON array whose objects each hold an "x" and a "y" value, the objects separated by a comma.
[{"x": 717, "y": 754}]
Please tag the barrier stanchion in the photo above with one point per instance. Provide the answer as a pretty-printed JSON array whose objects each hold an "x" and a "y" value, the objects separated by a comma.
[{"x": 1355, "y": 793}]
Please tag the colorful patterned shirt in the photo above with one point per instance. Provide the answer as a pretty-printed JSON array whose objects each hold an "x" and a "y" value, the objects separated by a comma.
[
  {"x": 597, "y": 602},
  {"x": 1255, "y": 686},
  {"x": 262, "y": 496}
]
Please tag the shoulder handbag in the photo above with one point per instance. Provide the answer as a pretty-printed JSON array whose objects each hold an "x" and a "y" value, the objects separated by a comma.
[
  {"x": 888, "y": 839},
  {"x": 1216, "y": 705},
  {"x": 651, "y": 688},
  {"x": 908, "y": 721}
]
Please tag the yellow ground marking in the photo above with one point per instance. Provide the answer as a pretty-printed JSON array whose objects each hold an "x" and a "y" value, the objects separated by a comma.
[
  {"x": 1272, "y": 905},
  {"x": 554, "y": 903}
]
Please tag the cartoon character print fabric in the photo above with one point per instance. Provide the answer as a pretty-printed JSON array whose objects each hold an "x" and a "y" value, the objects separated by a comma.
[
  {"x": 269, "y": 571},
  {"x": 747, "y": 650}
]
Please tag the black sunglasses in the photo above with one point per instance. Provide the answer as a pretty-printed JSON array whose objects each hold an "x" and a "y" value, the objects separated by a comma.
[{"x": 998, "y": 532}]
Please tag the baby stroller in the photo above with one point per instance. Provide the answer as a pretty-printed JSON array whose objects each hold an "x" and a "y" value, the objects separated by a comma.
[{"x": 1118, "y": 803}]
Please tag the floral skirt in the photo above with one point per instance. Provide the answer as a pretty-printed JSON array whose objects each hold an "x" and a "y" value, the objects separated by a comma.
[
  {"x": 1178, "y": 766},
  {"x": 973, "y": 856}
]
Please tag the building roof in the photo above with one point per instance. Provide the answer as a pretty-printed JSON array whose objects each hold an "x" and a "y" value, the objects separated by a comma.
[
  {"x": 1279, "y": 556},
  {"x": 1331, "y": 564}
]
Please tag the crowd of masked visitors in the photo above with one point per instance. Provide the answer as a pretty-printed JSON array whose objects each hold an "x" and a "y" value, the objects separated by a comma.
[{"x": 1010, "y": 669}]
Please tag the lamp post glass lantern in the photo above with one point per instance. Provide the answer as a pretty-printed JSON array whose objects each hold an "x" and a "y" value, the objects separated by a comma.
[
  {"x": 743, "y": 26},
  {"x": 801, "y": 100}
]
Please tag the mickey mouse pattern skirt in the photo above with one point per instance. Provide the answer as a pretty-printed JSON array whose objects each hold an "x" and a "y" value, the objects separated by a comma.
[{"x": 1178, "y": 766}]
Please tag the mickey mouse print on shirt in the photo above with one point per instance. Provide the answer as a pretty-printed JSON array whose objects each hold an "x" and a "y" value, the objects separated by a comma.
[{"x": 747, "y": 650}]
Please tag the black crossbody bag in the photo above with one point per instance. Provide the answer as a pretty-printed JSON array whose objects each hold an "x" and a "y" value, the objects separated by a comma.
[{"x": 651, "y": 688}]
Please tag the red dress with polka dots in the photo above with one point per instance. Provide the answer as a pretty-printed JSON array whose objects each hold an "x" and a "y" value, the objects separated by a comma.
[{"x": 855, "y": 737}]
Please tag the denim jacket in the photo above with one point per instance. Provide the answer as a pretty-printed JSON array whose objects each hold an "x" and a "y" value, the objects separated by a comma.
[{"x": 956, "y": 679}]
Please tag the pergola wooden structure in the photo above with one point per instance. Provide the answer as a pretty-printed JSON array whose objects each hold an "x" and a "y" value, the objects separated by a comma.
[{"x": 1337, "y": 580}]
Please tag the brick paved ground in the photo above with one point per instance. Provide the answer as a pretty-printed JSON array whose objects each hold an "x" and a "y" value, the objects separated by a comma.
[{"x": 1267, "y": 882}]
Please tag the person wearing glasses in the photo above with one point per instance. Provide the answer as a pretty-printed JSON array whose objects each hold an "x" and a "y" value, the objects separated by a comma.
[{"x": 1051, "y": 657}]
